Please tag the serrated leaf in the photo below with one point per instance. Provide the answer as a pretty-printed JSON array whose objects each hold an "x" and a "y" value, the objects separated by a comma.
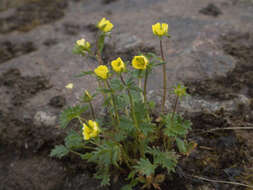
[
  {"x": 104, "y": 176},
  {"x": 176, "y": 128},
  {"x": 71, "y": 113},
  {"x": 107, "y": 154},
  {"x": 74, "y": 140},
  {"x": 59, "y": 151},
  {"x": 166, "y": 159},
  {"x": 145, "y": 167}
]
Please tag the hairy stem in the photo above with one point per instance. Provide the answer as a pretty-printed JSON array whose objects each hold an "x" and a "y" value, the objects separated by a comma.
[
  {"x": 174, "y": 108},
  {"x": 113, "y": 102},
  {"x": 92, "y": 111},
  {"x": 131, "y": 103},
  {"x": 164, "y": 77},
  {"x": 145, "y": 93}
]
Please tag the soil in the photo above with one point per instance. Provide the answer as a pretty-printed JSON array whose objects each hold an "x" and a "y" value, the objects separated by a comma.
[
  {"x": 240, "y": 80},
  {"x": 12, "y": 49},
  {"x": 32, "y": 14},
  {"x": 109, "y": 1},
  {"x": 211, "y": 10},
  {"x": 21, "y": 88},
  {"x": 57, "y": 101}
]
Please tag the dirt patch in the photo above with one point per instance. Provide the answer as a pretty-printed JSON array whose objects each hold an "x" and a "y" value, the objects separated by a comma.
[
  {"x": 108, "y": 1},
  {"x": 32, "y": 14},
  {"x": 22, "y": 88},
  {"x": 219, "y": 155},
  {"x": 9, "y": 50},
  {"x": 240, "y": 80},
  {"x": 211, "y": 10},
  {"x": 50, "y": 42},
  {"x": 57, "y": 101},
  {"x": 71, "y": 28}
]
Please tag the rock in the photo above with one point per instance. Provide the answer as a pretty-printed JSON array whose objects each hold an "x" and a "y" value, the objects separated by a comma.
[
  {"x": 43, "y": 118},
  {"x": 197, "y": 104},
  {"x": 126, "y": 41}
]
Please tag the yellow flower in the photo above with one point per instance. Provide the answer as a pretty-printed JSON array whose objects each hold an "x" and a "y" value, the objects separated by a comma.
[
  {"x": 160, "y": 29},
  {"x": 102, "y": 71},
  {"x": 180, "y": 91},
  {"x": 69, "y": 86},
  {"x": 82, "y": 43},
  {"x": 105, "y": 25},
  {"x": 91, "y": 130},
  {"x": 118, "y": 65},
  {"x": 140, "y": 62}
]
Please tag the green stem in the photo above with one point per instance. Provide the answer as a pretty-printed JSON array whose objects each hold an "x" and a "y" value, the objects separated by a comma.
[
  {"x": 140, "y": 86},
  {"x": 113, "y": 101},
  {"x": 92, "y": 111},
  {"x": 131, "y": 103},
  {"x": 145, "y": 93},
  {"x": 99, "y": 56},
  {"x": 164, "y": 77},
  {"x": 145, "y": 86},
  {"x": 174, "y": 108}
]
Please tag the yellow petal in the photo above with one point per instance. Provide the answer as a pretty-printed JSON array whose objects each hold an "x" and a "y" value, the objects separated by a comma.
[{"x": 69, "y": 86}]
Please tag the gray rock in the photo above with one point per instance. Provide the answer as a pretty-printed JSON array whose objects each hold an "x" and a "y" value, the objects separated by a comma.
[{"x": 43, "y": 118}]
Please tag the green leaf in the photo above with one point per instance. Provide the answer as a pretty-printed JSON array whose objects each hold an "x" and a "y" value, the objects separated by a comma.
[
  {"x": 181, "y": 145},
  {"x": 145, "y": 167},
  {"x": 105, "y": 90},
  {"x": 151, "y": 104},
  {"x": 74, "y": 140},
  {"x": 84, "y": 73},
  {"x": 176, "y": 128},
  {"x": 117, "y": 85},
  {"x": 71, "y": 113},
  {"x": 103, "y": 175},
  {"x": 147, "y": 128},
  {"x": 126, "y": 124},
  {"x": 165, "y": 159},
  {"x": 86, "y": 156},
  {"x": 59, "y": 151},
  {"x": 107, "y": 154},
  {"x": 126, "y": 187}
]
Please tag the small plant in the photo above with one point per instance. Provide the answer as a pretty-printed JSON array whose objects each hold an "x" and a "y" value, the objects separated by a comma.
[{"x": 131, "y": 143}]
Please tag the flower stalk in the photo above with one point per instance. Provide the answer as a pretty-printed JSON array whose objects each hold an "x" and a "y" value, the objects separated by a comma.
[
  {"x": 131, "y": 103},
  {"x": 107, "y": 84},
  {"x": 164, "y": 78}
]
